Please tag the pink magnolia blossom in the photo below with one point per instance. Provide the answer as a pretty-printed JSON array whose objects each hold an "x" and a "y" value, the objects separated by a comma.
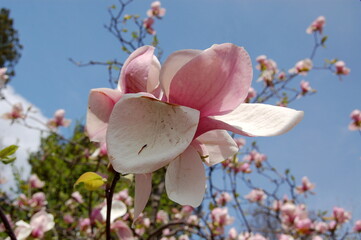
[
  {"x": 251, "y": 94},
  {"x": 306, "y": 186},
  {"x": 255, "y": 157},
  {"x": 305, "y": 87},
  {"x": 240, "y": 142},
  {"x": 317, "y": 25},
  {"x": 244, "y": 167},
  {"x": 303, "y": 225},
  {"x": 251, "y": 236},
  {"x": 282, "y": 76},
  {"x": 3, "y": 77},
  {"x": 148, "y": 25},
  {"x": 340, "y": 215},
  {"x": 302, "y": 67},
  {"x": 162, "y": 217},
  {"x": 232, "y": 234},
  {"x": 357, "y": 226},
  {"x": 38, "y": 200},
  {"x": 122, "y": 230},
  {"x": 84, "y": 224},
  {"x": 290, "y": 212},
  {"x": 59, "y": 120},
  {"x": 40, "y": 223},
  {"x": 321, "y": 227},
  {"x": 223, "y": 198},
  {"x": 341, "y": 68},
  {"x": 285, "y": 237},
  {"x": 35, "y": 182},
  {"x": 16, "y": 112},
  {"x": 356, "y": 120},
  {"x": 77, "y": 197},
  {"x": 68, "y": 218},
  {"x": 317, "y": 237},
  {"x": 156, "y": 10},
  {"x": 256, "y": 195},
  {"x": 145, "y": 132},
  {"x": 268, "y": 69}
]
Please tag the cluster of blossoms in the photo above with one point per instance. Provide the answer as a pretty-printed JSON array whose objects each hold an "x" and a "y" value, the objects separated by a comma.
[
  {"x": 3, "y": 77},
  {"x": 156, "y": 11},
  {"x": 268, "y": 69},
  {"x": 355, "y": 116}
]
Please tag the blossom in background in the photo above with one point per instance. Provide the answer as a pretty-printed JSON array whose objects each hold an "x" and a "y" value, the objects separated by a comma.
[
  {"x": 341, "y": 68},
  {"x": 302, "y": 67},
  {"x": 156, "y": 10},
  {"x": 356, "y": 120},
  {"x": 340, "y": 215},
  {"x": 122, "y": 230},
  {"x": 256, "y": 195},
  {"x": 223, "y": 198},
  {"x": 3, "y": 77},
  {"x": 59, "y": 120},
  {"x": 357, "y": 226},
  {"x": 306, "y": 186},
  {"x": 16, "y": 112},
  {"x": 317, "y": 25},
  {"x": 256, "y": 158},
  {"x": 77, "y": 197},
  {"x": 185, "y": 127},
  {"x": 251, "y": 94},
  {"x": 285, "y": 237},
  {"x": 268, "y": 69},
  {"x": 148, "y": 25},
  {"x": 35, "y": 182},
  {"x": 305, "y": 87},
  {"x": 40, "y": 223}
]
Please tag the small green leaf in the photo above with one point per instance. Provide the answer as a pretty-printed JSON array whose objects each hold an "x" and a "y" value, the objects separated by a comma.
[
  {"x": 134, "y": 35},
  {"x": 8, "y": 160},
  {"x": 6, "y": 152},
  {"x": 323, "y": 40},
  {"x": 91, "y": 180}
]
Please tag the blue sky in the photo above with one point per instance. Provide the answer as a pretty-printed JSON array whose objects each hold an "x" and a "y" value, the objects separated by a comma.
[{"x": 321, "y": 147}]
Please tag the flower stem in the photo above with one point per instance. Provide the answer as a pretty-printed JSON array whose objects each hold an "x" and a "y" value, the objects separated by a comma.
[
  {"x": 8, "y": 228},
  {"x": 109, "y": 194}
]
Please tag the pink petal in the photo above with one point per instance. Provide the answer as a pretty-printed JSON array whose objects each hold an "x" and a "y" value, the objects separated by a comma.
[
  {"x": 215, "y": 81},
  {"x": 185, "y": 179},
  {"x": 140, "y": 72},
  {"x": 100, "y": 105},
  {"x": 171, "y": 66},
  {"x": 257, "y": 120},
  {"x": 145, "y": 134},
  {"x": 143, "y": 188},
  {"x": 220, "y": 146}
]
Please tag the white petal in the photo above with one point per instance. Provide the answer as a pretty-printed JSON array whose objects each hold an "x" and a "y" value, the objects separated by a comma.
[
  {"x": 220, "y": 146},
  {"x": 185, "y": 179},
  {"x": 145, "y": 134},
  {"x": 260, "y": 119},
  {"x": 118, "y": 210},
  {"x": 143, "y": 187}
]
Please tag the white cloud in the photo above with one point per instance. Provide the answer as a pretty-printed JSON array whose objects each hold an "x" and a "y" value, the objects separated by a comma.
[{"x": 27, "y": 139}]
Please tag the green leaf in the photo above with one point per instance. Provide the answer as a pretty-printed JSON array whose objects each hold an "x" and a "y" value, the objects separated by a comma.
[
  {"x": 8, "y": 160},
  {"x": 91, "y": 180},
  {"x": 323, "y": 40},
  {"x": 134, "y": 35},
  {"x": 6, "y": 152}
]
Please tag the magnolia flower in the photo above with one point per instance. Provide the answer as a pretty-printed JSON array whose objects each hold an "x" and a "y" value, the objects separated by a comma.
[
  {"x": 305, "y": 187},
  {"x": 285, "y": 237},
  {"x": 40, "y": 223},
  {"x": 340, "y": 215},
  {"x": 305, "y": 87},
  {"x": 188, "y": 125},
  {"x": 341, "y": 68},
  {"x": 356, "y": 120},
  {"x": 156, "y": 10},
  {"x": 251, "y": 94},
  {"x": 357, "y": 226},
  {"x": 16, "y": 112},
  {"x": 302, "y": 67},
  {"x": 223, "y": 198},
  {"x": 35, "y": 182},
  {"x": 148, "y": 25},
  {"x": 3, "y": 76},
  {"x": 118, "y": 209},
  {"x": 58, "y": 120},
  {"x": 256, "y": 195},
  {"x": 256, "y": 157},
  {"x": 77, "y": 196},
  {"x": 317, "y": 25},
  {"x": 232, "y": 234},
  {"x": 122, "y": 230}
]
